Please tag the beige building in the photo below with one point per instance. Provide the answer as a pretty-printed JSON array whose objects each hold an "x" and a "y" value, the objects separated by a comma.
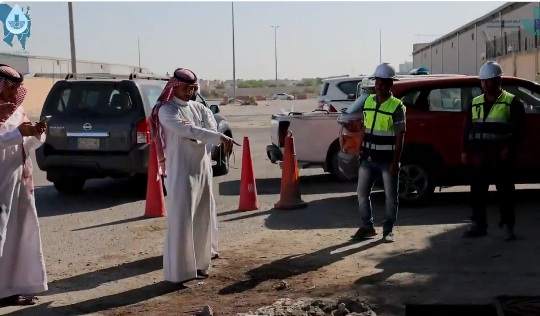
[{"x": 502, "y": 33}]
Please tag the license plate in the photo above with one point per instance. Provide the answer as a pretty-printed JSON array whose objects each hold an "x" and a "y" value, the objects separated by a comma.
[{"x": 88, "y": 143}]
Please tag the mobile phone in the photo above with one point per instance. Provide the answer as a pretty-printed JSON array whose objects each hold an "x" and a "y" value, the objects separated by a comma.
[{"x": 46, "y": 119}]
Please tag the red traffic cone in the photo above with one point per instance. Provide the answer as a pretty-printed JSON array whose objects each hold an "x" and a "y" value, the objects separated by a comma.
[
  {"x": 155, "y": 204},
  {"x": 290, "y": 186},
  {"x": 248, "y": 188}
]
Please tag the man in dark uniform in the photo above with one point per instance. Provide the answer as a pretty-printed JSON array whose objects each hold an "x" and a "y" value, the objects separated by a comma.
[{"x": 493, "y": 131}]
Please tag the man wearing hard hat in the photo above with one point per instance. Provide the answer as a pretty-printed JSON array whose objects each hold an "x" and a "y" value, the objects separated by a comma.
[
  {"x": 382, "y": 143},
  {"x": 493, "y": 130}
]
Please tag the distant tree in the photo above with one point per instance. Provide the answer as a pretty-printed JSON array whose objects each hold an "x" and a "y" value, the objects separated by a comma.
[{"x": 253, "y": 84}]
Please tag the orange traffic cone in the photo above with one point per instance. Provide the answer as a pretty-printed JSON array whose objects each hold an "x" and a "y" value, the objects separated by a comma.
[
  {"x": 290, "y": 187},
  {"x": 155, "y": 204},
  {"x": 248, "y": 188}
]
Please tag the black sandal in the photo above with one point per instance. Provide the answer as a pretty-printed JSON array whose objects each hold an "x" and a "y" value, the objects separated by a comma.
[{"x": 18, "y": 300}]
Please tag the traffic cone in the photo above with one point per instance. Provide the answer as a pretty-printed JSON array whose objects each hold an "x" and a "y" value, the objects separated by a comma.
[
  {"x": 155, "y": 204},
  {"x": 248, "y": 188},
  {"x": 290, "y": 186}
]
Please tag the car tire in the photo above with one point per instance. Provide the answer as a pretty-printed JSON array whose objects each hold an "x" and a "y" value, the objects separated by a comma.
[
  {"x": 335, "y": 172},
  {"x": 416, "y": 183},
  {"x": 222, "y": 167},
  {"x": 69, "y": 185}
]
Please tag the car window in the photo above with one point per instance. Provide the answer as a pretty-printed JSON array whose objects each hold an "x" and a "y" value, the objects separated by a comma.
[
  {"x": 90, "y": 99},
  {"x": 528, "y": 95},
  {"x": 445, "y": 100},
  {"x": 200, "y": 99},
  {"x": 151, "y": 93},
  {"x": 324, "y": 89},
  {"x": 348, "y": 87},
  {"x": 410, "y": 98}
]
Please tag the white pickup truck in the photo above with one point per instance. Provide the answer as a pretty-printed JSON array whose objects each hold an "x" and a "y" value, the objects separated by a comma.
[{"x": 313, "y": 150}]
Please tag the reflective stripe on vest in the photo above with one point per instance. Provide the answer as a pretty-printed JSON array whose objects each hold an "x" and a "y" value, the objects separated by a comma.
[
  {"x": 496, "y": 126},
  {"x": 379, "y": 132}
]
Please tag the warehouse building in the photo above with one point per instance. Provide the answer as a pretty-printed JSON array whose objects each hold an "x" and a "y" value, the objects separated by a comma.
[
  {"x": 60, "y": 67},
  {"x": 499, "y": 35}
]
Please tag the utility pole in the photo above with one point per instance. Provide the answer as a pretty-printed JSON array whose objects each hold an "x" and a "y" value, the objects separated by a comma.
[
  {"x": 233, "y": 55},
  {"x": 72, "y": 40},
  {"x": 380, "y": 46},
  {"x": 275, "y": 52},
  {"x": 139, "y": 50}
]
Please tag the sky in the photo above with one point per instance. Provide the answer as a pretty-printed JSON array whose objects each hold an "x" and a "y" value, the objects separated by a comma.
[{"x": 314, "y": 39}]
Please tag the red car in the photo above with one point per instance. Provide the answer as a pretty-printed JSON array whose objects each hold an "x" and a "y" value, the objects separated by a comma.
[{"x": 431, "y": 156}]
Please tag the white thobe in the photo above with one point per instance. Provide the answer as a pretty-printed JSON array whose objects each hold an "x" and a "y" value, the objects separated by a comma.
[
  {"x": 211, "y": 124},
  {"x": 190, "y": 201},
  {"x": 22, "y": 266}
]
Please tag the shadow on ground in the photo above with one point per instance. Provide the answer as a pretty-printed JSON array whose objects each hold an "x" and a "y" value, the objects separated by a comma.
[
  {"x": 309, "y": 184},
  {"x": 295, "y": 265},
  {"x": 453, "y": 270},
  {"x": 102, "y": 303},
  {"x": 97, "y": 194},
  {"x": 342, "y": 212},
  {"x": 91, "y": 280}
]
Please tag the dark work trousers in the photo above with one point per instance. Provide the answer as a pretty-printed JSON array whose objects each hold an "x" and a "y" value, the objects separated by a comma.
[{"x": 487, "y": 168}]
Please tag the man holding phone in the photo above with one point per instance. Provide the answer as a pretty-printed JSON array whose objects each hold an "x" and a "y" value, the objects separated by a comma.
[{"x": 22, "y": 267}]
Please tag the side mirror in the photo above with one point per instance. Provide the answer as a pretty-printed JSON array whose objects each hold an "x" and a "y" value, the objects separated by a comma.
[
  {"x": 214, "y": 108},
  {"x": 351, "y": 96}
]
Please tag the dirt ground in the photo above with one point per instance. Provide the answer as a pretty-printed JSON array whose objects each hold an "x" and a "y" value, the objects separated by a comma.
[{"x": 104, "y": 258}]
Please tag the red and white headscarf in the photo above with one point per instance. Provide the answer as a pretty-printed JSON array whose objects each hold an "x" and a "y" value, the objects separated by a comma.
[
  {"x": 181, "y": 76},
  {"x": 8, "y": 78}
]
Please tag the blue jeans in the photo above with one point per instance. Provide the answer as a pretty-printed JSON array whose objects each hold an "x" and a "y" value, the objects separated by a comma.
[{"x": 368, "y": 173}]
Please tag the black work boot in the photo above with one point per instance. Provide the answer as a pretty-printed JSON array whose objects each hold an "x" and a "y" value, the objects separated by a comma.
[
  {"x": 475, "y": 232},
  {"x": 363, "y": 233}
]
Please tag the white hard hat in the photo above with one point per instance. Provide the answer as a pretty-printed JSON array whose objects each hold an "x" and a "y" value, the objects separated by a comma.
[
  {"x": 490, "y": 70},
  {"x": 384, "y": 71}
]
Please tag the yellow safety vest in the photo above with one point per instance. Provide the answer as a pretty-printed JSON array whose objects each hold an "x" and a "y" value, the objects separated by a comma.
[
  {"x": 496, "y": 126},
  {"x": 380, "y": 136}
]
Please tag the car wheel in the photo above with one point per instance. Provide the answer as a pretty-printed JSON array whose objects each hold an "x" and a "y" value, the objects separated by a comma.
[
  {"x": 222, "y": 166},
  {"x": 69, "y": 186},
  {"x": 335, "y": 169},
  {"x": 416, "y": 184}
]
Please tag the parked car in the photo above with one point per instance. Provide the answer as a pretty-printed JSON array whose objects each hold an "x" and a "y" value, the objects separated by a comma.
[
  {"x": 314, "y": 152},
  {"x": 311, "y": 152},
  {"x": 338, "y": 93},
  {"x": 431, "y": 156},
  {"x": 99, "y": 128},
  {"x": 283, "y": 96}
]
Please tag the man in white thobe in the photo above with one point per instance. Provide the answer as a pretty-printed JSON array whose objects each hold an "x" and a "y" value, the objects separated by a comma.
[
  {"x": 211, "y": 124},
  {"x": 181, "y": 139},
  {"x": 22, "y": 266}
]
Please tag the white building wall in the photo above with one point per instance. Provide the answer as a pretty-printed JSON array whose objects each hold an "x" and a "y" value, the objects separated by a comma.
[
  {"x": 441, "y": 57},
  {"x": 17, "y": 62}
]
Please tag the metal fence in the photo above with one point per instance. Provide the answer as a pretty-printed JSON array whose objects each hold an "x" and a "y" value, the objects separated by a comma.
[{"x": 517, "y": 41}]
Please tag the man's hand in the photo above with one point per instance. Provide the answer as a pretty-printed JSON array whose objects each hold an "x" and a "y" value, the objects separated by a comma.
[
  {"x": 464, "y": 158},
  {"x": 27, "y": 129},
  {"x": 394, "y": 168},
  {"x": 41, "y": 127},
  {"x": 228, "y": 143}
]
